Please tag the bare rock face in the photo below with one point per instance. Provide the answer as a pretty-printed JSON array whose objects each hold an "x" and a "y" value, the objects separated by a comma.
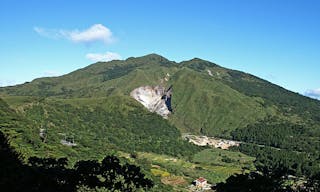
[{"x": 150, "y": 97}]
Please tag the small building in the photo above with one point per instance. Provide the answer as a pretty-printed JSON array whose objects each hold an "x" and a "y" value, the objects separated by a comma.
[{"x": 200, "y": 182}]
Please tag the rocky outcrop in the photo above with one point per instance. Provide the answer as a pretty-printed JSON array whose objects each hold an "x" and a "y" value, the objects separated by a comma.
[{"x": 150, "y": 97}]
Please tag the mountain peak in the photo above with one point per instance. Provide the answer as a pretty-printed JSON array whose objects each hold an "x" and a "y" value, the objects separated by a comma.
[
  {"x": 151, "y": 56},
  {"x": 198, "y": 64},
  {"x": 154, "y": 56},
  {"x": 152, "y": 59},
  {"x": 198, "y": 60}
]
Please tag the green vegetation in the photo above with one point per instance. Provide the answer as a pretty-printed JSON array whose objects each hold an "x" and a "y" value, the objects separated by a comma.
[
  {"x": 288, "y": 102},
  {"x": 214, "y": 173},
  {"x": 49, "y": 174},
  {"x": 217, "y": 104},
  {"x": 280, "y": 134},
  {"x": 91, "y": 109},
  {"x": 116, "y": 72},
  {"x": 287, "y": 158},
  {"x": 277, "y": 170},
  {"x": 220, "y": 157},
  {"x": 199, "y": 101},
  {"x": 159, "y": 172},
  {"x": 296, "y": 163},
  {"x": 282, "y": 144},
  {"x": 96, "y": 129}
]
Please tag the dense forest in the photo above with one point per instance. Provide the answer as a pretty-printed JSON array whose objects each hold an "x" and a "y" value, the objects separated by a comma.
[
  {"x": 276, "y": 143},
  {"x": 287, "y": 157},
  {"x": 49, "y": 174},
  {"x": 98, "y": 126},
  {"x": 280, "y": 134},
  {"x": 267, "y": 179}
]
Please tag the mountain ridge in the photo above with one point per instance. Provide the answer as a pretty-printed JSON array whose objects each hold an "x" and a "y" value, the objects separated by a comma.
[{"x": 206, "y": 96}]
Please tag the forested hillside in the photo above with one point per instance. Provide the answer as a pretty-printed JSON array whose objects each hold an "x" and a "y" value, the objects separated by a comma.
[
  {"x": 100, "y": 124},
  {"x": 88, "y": 114},
  {"x": 207, "y": 97}
]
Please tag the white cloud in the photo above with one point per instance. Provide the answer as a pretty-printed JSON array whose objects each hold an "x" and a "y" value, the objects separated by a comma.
[
  {"x": 314, "y": 93},
  {"x": 108, "y": 56},
  {"x": 49, "y": 33},
  {"x": 95, "y": 33}
]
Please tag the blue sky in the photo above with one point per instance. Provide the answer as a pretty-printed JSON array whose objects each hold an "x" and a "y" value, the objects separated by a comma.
[{"x": 278, "y": 40}]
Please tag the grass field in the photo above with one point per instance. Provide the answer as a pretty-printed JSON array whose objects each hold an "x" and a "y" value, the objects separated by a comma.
[{"x": 223, "y": 158}]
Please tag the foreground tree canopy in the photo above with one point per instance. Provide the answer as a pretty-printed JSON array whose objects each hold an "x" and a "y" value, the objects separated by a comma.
[{"x": 49, "y": 174}]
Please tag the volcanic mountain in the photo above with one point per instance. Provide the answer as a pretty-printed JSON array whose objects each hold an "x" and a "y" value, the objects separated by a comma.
[{"x": 207, "y": 98}]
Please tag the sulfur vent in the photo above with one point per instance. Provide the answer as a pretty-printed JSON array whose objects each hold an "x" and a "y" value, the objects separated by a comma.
[{"x": 152, "y": 99}]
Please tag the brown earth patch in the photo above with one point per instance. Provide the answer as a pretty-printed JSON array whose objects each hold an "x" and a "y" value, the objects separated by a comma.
[{"x": 174, "y": 180}]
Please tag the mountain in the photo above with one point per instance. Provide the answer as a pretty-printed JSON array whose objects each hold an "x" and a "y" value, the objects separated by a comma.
[
  {"x": 117, "y": 108},
  {"x": 207, "y": 98}
]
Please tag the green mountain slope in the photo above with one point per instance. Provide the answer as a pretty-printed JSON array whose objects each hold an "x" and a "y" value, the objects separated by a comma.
[
  {"x": 91, "y": 108},
  {"x": 96, "y": 126},
  {"x": 207, "y": 98}
]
